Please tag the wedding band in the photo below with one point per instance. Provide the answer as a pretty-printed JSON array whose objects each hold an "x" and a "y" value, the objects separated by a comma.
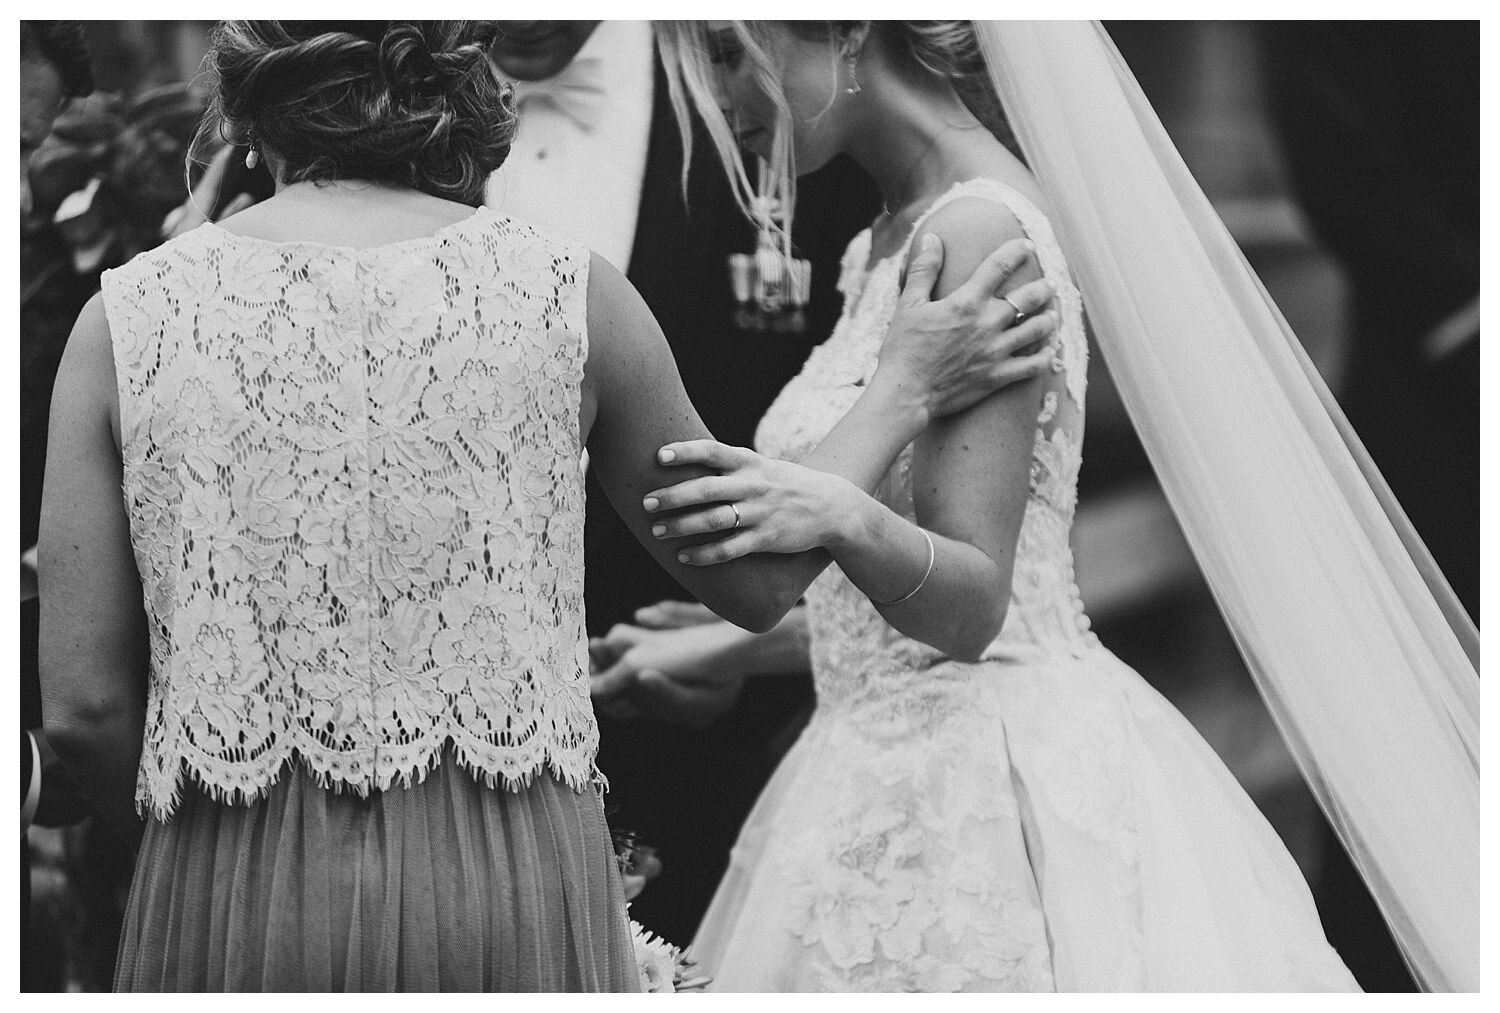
[
  {"x": 1020, "y": 313},
  {"x": 736, "y": 517}
]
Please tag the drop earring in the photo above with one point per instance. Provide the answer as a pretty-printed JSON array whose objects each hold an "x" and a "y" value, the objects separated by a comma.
[
  {"x": 252, "y": 157},
  {"x": 852, "y": 59}
]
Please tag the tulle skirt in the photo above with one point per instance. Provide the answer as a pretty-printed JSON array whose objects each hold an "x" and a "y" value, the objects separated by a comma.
[
  {"x": 443, "y": 886},
  {"x": 1004, "y": 826}
]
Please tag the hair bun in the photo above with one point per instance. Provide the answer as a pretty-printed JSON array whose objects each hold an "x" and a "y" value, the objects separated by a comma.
[
  {"x": 404, "y": 58},
  {"x": 419, "y": 64},
  {"x": 412, "y": 102}
]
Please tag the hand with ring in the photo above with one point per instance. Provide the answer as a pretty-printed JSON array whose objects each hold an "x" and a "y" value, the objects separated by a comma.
[
  {"x": 757, "y": 503},
  {"x": 974, "y": 341}
]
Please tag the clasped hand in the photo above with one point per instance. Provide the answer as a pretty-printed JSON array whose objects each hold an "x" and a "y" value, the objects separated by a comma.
[{"x": 675, "y": 664}]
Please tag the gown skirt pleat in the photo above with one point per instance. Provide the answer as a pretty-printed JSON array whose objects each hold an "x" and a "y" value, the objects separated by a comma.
[
  {"x": 446, "y": 885},
  {"x": 1055, "y": 825}
]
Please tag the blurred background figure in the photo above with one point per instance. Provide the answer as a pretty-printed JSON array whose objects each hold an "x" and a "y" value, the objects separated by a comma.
[{"x": 596, "y": 125}]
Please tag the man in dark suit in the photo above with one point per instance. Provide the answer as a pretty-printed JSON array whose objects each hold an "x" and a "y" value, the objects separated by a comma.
[{"x": 684, "y": 789}]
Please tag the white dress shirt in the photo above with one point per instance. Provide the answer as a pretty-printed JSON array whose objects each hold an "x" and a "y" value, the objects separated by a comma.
[{"x": 582, "y": 180}]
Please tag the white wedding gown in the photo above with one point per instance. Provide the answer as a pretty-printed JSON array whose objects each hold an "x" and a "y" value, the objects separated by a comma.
[{"x": 1042, "y": 819}]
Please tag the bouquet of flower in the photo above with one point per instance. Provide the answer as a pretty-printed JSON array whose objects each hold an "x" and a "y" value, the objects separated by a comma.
[{"x": 663, "y": 967}]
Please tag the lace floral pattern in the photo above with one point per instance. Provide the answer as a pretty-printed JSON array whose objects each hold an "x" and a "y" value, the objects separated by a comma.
[
  {"x": 353, "y": 485},
  {"x": 918, "y": 879}
]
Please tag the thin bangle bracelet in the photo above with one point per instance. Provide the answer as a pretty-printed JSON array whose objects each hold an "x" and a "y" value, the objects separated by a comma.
[{"x": 931, "y": 559}]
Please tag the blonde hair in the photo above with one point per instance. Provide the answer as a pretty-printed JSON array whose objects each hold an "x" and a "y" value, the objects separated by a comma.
[
  {"x": 945, "y": 49},
  {"x": 684, "y": 48}
]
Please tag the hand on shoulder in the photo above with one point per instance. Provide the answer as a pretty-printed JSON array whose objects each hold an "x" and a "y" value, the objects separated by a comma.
[{"x": 988, "y": 329}]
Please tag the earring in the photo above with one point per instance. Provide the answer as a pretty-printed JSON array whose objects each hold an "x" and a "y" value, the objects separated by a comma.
[
  {"x": 252, "y": 157},
  {"x": 851, "y": 60}
]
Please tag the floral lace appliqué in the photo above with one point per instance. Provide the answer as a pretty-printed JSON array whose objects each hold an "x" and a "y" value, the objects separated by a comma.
[
  {"x": 919, "y": 880},
  {"x": 353, "y": 485}
]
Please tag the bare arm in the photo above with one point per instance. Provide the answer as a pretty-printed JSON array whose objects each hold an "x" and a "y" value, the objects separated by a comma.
[
  {"x": 93, "y": 627},
  {"x": 970, "y": 481},
  {"x": 634, "y": 403}
]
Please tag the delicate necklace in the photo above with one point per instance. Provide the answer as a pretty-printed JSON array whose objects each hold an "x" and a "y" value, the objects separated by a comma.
[{"x": 889, "y": 210}]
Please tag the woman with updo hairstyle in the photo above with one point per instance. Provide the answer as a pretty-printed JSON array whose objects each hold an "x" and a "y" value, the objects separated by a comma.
[
  {"x": 312, "y": 538},
  {"x": 414, "y": 104}
]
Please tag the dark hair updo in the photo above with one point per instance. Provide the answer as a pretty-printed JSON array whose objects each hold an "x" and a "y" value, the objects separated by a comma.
[{"x": 408, "y": 102}]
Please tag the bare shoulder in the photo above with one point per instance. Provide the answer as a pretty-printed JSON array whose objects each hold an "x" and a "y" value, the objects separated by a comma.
[
  {"x": 629, "y": 362},
  {"x": 971, "y": 228},
  {"x": 84, "y": 393},
  {"x": 88, "y": 347},
  {"x": 620, "y": 325},
  {"x": 972, "y": 219},
  {"x": 609, "y": 293}
]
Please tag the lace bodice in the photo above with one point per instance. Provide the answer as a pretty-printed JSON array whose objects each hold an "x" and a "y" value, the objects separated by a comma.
[
  {"x": 857, "y": 656},
  {"x": 356, "y": 505}
]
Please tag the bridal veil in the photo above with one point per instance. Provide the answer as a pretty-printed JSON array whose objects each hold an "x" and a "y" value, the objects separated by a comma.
[{"x": 1365, "y": 658}]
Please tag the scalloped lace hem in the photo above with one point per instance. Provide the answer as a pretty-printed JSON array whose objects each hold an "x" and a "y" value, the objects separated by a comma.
[{"x": 577, "y": 773}]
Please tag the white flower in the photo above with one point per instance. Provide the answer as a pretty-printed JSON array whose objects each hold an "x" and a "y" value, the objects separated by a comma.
[{"x": 655, "y": 958}]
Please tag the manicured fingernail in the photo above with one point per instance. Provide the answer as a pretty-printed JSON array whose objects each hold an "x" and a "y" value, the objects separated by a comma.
[
  {"x": 682, "y": 557},
  {"x": 650, "y": 503},
  {"x": 658, "y": 530},
  {"x": 666, "y": 455}
]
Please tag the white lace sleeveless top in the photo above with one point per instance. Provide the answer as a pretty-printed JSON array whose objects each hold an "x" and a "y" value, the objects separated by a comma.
[
  {"x": 355, "y": 500},
  {"x": 858, "y": 657}
]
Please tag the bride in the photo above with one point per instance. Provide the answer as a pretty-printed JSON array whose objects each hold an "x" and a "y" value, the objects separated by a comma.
[{"x": 985, "y": 797}]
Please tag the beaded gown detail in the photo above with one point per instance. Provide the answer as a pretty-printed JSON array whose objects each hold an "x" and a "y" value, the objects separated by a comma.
[{"x": 1041, "y": 819}]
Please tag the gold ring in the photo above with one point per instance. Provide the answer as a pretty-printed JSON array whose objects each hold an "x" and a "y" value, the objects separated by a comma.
[{"x": 736, "y": 517}]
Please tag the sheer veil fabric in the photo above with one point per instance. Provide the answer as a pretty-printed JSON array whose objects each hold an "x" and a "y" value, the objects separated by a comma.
[{"x": 1365, "y": 659}]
